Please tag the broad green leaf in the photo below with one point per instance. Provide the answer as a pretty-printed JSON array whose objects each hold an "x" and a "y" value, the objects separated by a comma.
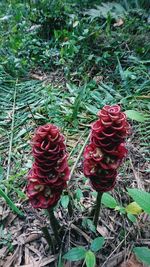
[
  {"x": 133, "y": 208},
  {"x": 79, "y": 194},
  {"x": 131, "y": 217},
  {"x": 90, "y": 225},
  {"x": 143, "y": 254},
  {"x": 11, "y": 204},
  {"x": 90, "y": 259},
  {"x": 109, "y": 201},
  {"x": 97, "y": 244},
  {"x": 64, "y": 201},
  {"x": 142, "y": 198},
  {"x": 135, "y": 115},
  {"x": 75, "y": 254}
]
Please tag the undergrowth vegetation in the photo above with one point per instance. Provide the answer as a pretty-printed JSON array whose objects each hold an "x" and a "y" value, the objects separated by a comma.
[{"x": 60, "y": 63}]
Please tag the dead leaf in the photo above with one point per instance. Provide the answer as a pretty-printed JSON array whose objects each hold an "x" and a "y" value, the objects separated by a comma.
[
  {"x": 2, "y": 252},
  {"x": 118, "y": 23},
  {"x": 33, "y": 237},
  {"x": 26, "y": 255},
  {"x": 98, "y": 79},
  {"x": 1, "y": 210},
  {"x": 132, "y": 262},
  {"x": 38, "y": 77},
  {"x": 81, "y": 232},
  {"x": 115, "y": 260},
  {"x": 102, "y": 231},
  {"x": 42, "y": 262},
  {"x": 19, "y": 257},
  {"x": 33, "y": 249},
  {"x": 12, "y": 258}
]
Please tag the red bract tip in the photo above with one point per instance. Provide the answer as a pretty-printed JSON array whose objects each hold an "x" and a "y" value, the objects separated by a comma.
[
  {"x": 104, "y": 154},
  {"x": 50, "y": 169}
]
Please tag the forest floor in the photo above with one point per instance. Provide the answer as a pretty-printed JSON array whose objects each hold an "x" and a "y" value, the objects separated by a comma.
[{"x": 69, "y": 96}]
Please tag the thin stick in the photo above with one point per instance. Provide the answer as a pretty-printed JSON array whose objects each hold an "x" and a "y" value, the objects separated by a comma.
[
  {"x": 78, "y": 158},
  {"x": 12, "y": 131},
  {"x": 70, "y": 207},
  {"x": 97, "y": 208},
  {"x": 114, "y": 250}
]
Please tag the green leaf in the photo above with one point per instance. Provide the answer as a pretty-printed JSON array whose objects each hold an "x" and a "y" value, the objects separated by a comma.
[
  {"x": 97, "y": 244},
  {"x": 109, "y": 201},
  {"x": 135, "y": 115},
  {"x": 91, "y": 225},
  {"x": 88, "y": 224},
  {"x": 11, "y": 204},
  {"x": 133, "y": 208},
  {"x": 143, "y": 254},
  {"x": 79, "y": 194},
  {"x": 21, "y": 194},
  {"x": 75, "y": 254},
  {"x": 92, "y": 109},
  {"x": 90, "y": 259},
  {"x": 64, "y": 201},
  {"x": 142, "y": 198},
  {"x": 131, "y": 217},
  {"x": 120, "y": 209}
]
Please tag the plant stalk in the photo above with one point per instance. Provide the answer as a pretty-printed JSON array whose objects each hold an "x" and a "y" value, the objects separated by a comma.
[
  {"x": 97, "y": 208},
  {"x": 54, "y": 224},
  {"x": 47, "y": 236}
]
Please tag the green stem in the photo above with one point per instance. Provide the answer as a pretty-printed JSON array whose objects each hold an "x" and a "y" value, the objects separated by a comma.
[
  {"x": 70, "y": 205},
  {"x": 54, "y": 224},
  {"x": 47, "y": 236},
  {"x": 97, "y": 208},
  {"x": 70, "y": 209}
]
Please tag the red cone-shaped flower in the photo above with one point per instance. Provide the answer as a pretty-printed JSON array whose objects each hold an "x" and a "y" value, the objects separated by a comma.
[
  {"x": 104, "y": 154},
  {"x": 42, "y": 196},
  {"x": 50, "y": 170}
]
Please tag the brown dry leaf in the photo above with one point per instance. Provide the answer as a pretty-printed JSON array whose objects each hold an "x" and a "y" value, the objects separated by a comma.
[
  {"x": 98, "y": 79},
  {"x": 2, "y": 252},
  {"x": 33, "y": 237},
  {"x": 33, "y": 249},
  {"x": 102, "y": 231},
  {"x": 1, "y": 210},
  {"x": 19, "y": 257},
  {"x": 132, "y": 262},
  {"x": 81, "y": 232},
  {"x": 26, "y": 255},
  {"x": 38, "y": 77},
  {"x": 115, "y": 260},
  {"x": 47, "y": 260},
  {"x": 12, "y": 258},
  {"x": 4, "y": 215},
  {"x": 42, "y": 262},
  {"x": 118, "y": 23}
]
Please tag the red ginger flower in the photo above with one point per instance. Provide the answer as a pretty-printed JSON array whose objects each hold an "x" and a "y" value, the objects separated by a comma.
[
  {"x": 50, "y": 170},
  {"x": 104, "y": 154}
]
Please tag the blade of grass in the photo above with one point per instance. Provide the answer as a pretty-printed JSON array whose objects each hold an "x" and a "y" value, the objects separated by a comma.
[{"x": 11, "y": 204}]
